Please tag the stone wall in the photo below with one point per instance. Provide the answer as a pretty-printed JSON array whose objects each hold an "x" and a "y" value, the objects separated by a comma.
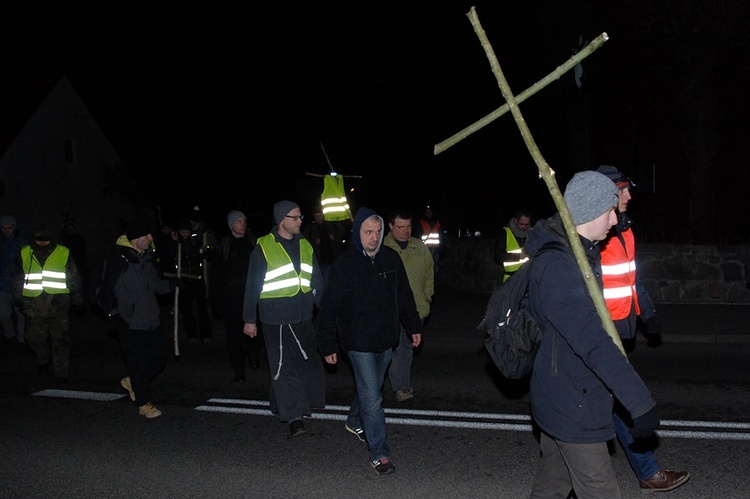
[{"x": 671, "y": 273}]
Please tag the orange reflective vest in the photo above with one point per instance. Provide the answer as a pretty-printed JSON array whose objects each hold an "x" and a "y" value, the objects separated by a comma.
[
  {"x": 431, "y": 234},
  {"x": 618, "y": 275}
]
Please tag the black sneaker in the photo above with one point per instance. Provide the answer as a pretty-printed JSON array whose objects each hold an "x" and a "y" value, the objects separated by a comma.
[
  {"x": 296, "y": 428},
  {"x": 358, "y": 432},
  {"x": 384, "y": 466}
]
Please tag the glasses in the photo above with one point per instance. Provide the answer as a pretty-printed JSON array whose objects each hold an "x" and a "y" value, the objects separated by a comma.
[{"x": 296, "y": 217}]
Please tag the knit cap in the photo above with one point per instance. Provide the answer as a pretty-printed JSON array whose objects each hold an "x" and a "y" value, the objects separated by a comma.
[
  {"x": 8, "y": 220},
  {"x": 137, "y": 228},
  {"x": 234, "y": 216},
  {"x": 282, "y": 209},
  {"x": 588, "y": 195},
  {"x": 42, "y": 233}
]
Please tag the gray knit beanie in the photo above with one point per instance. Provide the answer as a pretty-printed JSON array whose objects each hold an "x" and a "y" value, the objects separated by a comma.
[
  {"x": 234, "y": 216},
  {"x": 281, "y": 209},
  {"x": 8, "y": 220},
  {"x": 588, "y": 195}
]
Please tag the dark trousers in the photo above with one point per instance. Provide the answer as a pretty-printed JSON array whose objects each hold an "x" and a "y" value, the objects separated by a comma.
[
  {"x": 145, "y": 356},
  {"x": 239, "y": 345},
  {"x": 194, "y": 309}
]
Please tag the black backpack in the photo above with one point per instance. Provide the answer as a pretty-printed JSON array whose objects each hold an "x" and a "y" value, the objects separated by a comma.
[
  {"x": 102, "y": 282},
  {"x": 513, "y": 335}
]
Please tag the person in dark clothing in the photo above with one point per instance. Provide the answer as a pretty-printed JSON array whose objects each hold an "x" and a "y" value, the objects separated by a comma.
[
  {"x": 131, "y": 282},
  {"x": 284, "y": 283},
  {"x": 194, "y": 301},
  {"x": 367, "y": 298},
  {"x": 579, "y": 368},
  {"x": 229, "y": 278},
  {"x": 322, "y": 241},
  {"x": 76, "y": 243}
]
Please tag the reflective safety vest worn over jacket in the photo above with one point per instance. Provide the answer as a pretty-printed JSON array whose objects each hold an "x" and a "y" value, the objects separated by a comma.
[
  {"x": 618, "y": 275},
  {"x": 512, "y": 247},
  {"x": 50, "y": 278},
  {"x": 333, "y": 200},
  {"x": 281, "y": 280},
  {"x": 431, "y": 234}
]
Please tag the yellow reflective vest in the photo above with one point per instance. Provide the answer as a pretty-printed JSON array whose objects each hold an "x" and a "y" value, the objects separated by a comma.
[
  {"x": 50, "y": 278},
  {"x": 333, "y": 200},
  {"x": 512, "y": 247},
  {"x": 281, "y": 280}
]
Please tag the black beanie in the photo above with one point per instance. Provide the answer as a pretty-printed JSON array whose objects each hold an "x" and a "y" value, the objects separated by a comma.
[{"x": 138, "y": 228}]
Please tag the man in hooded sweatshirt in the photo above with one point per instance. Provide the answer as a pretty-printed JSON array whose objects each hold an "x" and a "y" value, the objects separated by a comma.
[
  {"x": 367, "y": 298},
  {"x": 579, "y": 369},
  {"x": 284, "y": 283},
  {"x": 129, "y": 287}
]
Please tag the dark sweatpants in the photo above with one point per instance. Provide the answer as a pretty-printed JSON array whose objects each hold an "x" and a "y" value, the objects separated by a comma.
[
  {"x": 145, "y": 356},
  {"x": 297, "y": 384}
]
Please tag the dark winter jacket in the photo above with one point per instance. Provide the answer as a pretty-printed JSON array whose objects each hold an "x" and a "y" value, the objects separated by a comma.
[
  {"x": 136, "y": 284},
  {"x": 578, "y": 368},
  {"x": 367, "y": 299}
]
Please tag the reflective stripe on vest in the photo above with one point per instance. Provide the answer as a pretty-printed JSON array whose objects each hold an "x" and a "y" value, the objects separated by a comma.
[
  {"x": 618, "y": 276},
  {"x": 281, "y": 280},
  {"x": 333, "y": 200},
  {"x": 51, "y": 278},
  {"x": 430, "y": 235},
  {"x": 512, "y": 247}
]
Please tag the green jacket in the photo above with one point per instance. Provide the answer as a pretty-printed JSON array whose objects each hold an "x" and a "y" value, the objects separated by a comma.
[{"x": 418, "y": 263}]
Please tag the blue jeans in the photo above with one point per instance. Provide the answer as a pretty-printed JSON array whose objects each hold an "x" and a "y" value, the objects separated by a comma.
[
  {"x": 644, "y": 463},
  {"x": 366, "y": 411}
]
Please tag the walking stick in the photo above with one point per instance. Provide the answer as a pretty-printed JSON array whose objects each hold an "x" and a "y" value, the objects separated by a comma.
[{"x": 177, "y": 303}]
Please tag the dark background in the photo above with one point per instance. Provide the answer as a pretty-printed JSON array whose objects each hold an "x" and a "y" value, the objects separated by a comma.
[{"x": 227, "y": 106}]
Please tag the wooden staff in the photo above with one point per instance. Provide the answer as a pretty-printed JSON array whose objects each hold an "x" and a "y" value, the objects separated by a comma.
[{"x": 177, "y": 302}]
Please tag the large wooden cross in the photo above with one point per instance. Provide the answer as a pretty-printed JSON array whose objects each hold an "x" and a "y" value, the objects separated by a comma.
[{"x": 545, "y": 172}]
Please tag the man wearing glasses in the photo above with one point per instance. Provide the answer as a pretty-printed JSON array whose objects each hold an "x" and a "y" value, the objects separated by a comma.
[{"x": 284, "y": 282}]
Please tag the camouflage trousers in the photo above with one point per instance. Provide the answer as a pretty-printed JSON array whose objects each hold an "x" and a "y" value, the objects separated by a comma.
[{"x": 48, "y": 331}]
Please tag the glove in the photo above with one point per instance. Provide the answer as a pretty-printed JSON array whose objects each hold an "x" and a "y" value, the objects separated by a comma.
[{"x": 646, "y": 424}]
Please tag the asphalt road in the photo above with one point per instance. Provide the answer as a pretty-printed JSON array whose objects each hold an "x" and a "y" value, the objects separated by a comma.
[{"x": 466, "y": 434}]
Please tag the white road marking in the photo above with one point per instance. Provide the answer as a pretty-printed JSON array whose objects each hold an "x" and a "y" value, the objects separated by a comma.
[{"x": 417, "y": 417}]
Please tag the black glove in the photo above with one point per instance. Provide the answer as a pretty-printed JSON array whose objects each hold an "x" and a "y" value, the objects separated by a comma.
[{"x": 646, "y": 424}]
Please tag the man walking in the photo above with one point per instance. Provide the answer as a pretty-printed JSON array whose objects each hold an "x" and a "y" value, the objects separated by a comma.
[
  {"x": 367, "y": 296},
  {"x": 46, "y": 282},
  {"x": 419, "y": 264},
  {"x": 578, "y": 368},
  {"x": 284, "y": 283},
  {"x": 229, "y": 277},
  {"x": 128, "y": 294},
  {"x": 622, "y": 292}
]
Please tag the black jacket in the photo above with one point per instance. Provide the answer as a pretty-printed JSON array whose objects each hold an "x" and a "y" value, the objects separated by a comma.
[{"x": 366, "y": 299}]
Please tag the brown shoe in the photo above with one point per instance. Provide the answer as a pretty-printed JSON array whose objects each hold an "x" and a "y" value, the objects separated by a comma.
[
  {"x": 125, "y": 383},
  {"x": 149, "y": 410},
  {"x": 664, "y": 480}
]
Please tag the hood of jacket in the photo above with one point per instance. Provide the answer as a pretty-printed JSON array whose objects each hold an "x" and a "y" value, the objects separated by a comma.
[{"x": 362, "y": 215}]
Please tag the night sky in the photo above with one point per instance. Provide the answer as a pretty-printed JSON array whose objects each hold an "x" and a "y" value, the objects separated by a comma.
[{"x": 247, "y": 94}]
